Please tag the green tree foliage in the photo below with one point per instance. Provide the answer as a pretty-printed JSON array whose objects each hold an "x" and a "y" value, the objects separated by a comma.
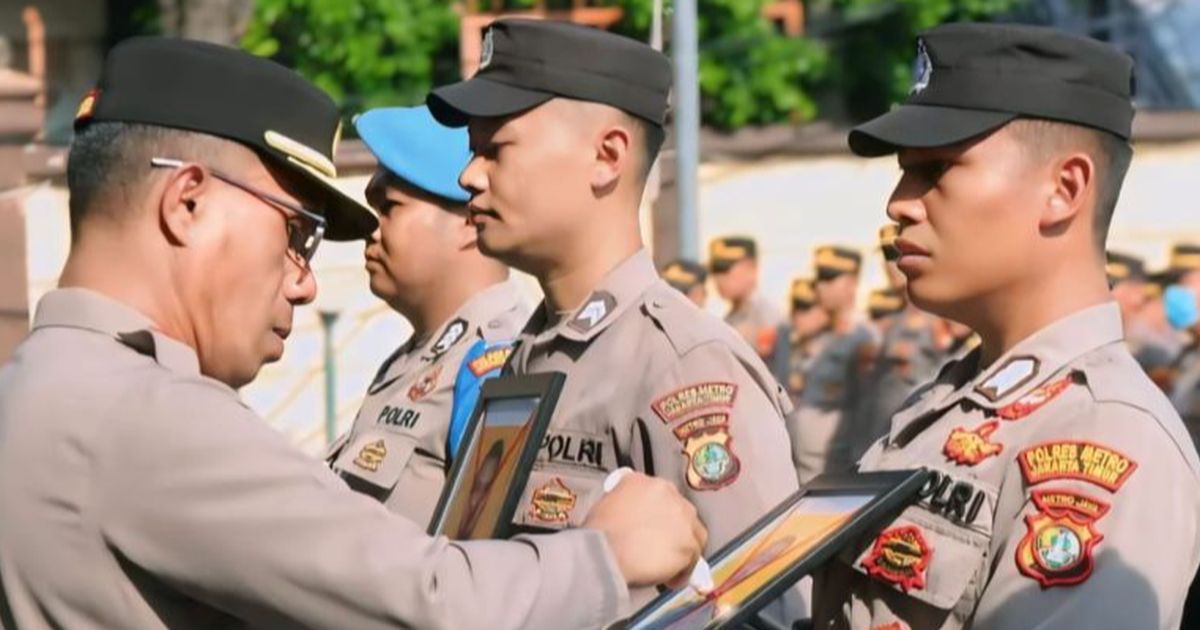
[
  {"x": 365, "y": 53},
  {"x": 874, "y": 45},
  {"x": 372, "y": 53}
]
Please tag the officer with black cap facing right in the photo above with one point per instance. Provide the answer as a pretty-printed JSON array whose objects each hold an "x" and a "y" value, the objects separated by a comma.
[
  {"x": 1066, "y": 492},
  {"x": 565, "y": 122}
]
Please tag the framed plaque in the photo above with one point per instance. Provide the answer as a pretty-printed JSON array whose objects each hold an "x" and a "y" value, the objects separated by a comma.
[
  {"x": 496, "y": 456},
  {"x": 793, "y": 540}
]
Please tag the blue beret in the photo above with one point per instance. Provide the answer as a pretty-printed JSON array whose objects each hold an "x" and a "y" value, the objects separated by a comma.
[{"x": 416, "y": 148}]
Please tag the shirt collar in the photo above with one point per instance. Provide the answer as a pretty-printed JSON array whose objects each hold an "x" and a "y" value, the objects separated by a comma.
[
  {"x": 619, "y": 290},
  {"x": 88, "y": 310},
  {"x": 473, "y": 315},
  {"x": 1022, "y": 369}
]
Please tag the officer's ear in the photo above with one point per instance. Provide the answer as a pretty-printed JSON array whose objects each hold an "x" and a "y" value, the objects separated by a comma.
[
  {"x": 179, "y": 200},
  {"x": 1072, "y": 187},
  {"x": 614, "y": 150}
]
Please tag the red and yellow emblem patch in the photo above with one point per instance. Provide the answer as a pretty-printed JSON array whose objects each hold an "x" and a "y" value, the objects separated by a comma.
[
  {"x": 1034, "y": 400},
  {"x": 708, "y": 451},
  {"x": 900, "y": 556},
  {"x": 682, "y": 402},
  {"x": 553, "y": 502},
  {"x": 968, "y": 448},
  {"x": 488, "y": 361},
  {"x": 424, "y": 385},
  {"x": 1060, "y": 538},
  {"x": 1070, "y": 459}
]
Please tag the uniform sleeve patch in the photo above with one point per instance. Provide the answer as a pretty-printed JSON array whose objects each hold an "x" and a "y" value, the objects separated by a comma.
[
  {"x": 708, "y": 451},
  {"x": 900, "y": 556},
  {"x": 1060, "y": 538},
  {"x": 1069, "y": 459},
  {"x": 682, "y": 402},
  {"x": 1036, "y": 399},
  {"x": 490, "y": 360},
  {"x": 968, "y": 448}
]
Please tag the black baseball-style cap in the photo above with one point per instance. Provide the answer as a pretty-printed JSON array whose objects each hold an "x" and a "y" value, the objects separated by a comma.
[
  {"x": 975, "y": 78},
  {"x": 225, "y": 92},
  {"x": 525, "y": 63},
  {"x": 831, "y": 261}
]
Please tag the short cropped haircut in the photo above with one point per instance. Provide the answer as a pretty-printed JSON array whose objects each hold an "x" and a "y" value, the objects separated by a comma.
[
  {"x": 108, "y": 165},
  {"x": 1045, "y": 139}
]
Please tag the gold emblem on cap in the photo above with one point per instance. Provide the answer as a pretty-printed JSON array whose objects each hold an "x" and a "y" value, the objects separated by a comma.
[
  {"x": 301, "y": 154},
  {"x": 802, "y": 291},
  {"x": 882, "y": 300},
  {"x": 1185, "y": 261},
  {"x": 1117, "y": 270},
  {"x": 827, "y": 258},
  {"x": 888, "y": 234},
  {"x": 489, "y": 48},
  {"x": 677, "y": 274},
  {"x": 88, "y": 105},
  {"x": 720, "y": 250}
]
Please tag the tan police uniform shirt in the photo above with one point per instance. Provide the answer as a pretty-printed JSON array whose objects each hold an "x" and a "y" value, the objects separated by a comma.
[
  {"x": 396, "y": 449},
  {"x": 1066, "y": 495},
  {"x": 137, "y": 493},
  {"x": 823, "y": 422},
  {"x": 908, "y": 356},
  {"x": 656, "y": 384},
  {"x": 757, "y": 320}
]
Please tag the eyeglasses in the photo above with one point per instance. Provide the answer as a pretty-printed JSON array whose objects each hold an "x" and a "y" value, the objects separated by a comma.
[{"x": 303, "y": 235}]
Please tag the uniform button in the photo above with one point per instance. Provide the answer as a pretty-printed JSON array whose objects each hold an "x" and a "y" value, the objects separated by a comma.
[{"x": 656, "y": 304}]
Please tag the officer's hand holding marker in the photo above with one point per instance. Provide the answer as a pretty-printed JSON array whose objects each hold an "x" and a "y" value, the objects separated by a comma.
[{"x": 701, "y": 579}]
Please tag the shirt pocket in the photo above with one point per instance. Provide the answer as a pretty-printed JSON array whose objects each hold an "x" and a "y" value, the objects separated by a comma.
[
  {"x": 558, "y": 497},
  {"x": 373, "y": 461},
  {"x": 926, "y": 557}
]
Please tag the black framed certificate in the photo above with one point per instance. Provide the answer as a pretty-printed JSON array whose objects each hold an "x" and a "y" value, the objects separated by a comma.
[
  {"x": 794, "y": 539},
  {"x": 496, "y": 456}
]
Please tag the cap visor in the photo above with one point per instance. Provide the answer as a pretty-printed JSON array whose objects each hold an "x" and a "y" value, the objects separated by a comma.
[
  {"x": 478, "y": 97},
  {"x": 922, "y": 126},
  {"x": 346, "y": 218}
]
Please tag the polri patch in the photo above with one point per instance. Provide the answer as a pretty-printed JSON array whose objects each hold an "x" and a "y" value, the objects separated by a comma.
[
  {"x": 1060, "y": 538},
  {"x": 968, "y": 448},
  {"x": 682, "y": 402},
  {"x": 1036, "y": 399},
  {"x": 900, "y": 556},
  {"x": 1014, "y": 373},
  {"x": 708, "y": 451},
  {"x": 1071, "y": 459},
  {"x": 490, "y": 360}
]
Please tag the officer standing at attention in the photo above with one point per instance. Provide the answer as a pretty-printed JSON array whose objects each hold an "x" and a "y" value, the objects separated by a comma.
[
  {"x": 138, "y": 491},
  {"x": 565, "y": 123},
  {"x": 689, "y": 278},
  {"x": 423, "y": 261},
  {"x": 822, "y": 426},
  {"x": 1066, "y": 490},
  {"x": 734, "y": 264},
  {"x": 809, "y": 324}
]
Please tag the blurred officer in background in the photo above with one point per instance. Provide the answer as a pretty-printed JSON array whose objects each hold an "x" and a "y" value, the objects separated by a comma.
[
  {"x": 138, "y": 491},
  {"x": 689, "y": 278},
  {"x": 652, "y": 381},
  {"x": 734, "y": 264},
  {"x": 1061, "y": 472},
  {"x": 424, "y": 263}
]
